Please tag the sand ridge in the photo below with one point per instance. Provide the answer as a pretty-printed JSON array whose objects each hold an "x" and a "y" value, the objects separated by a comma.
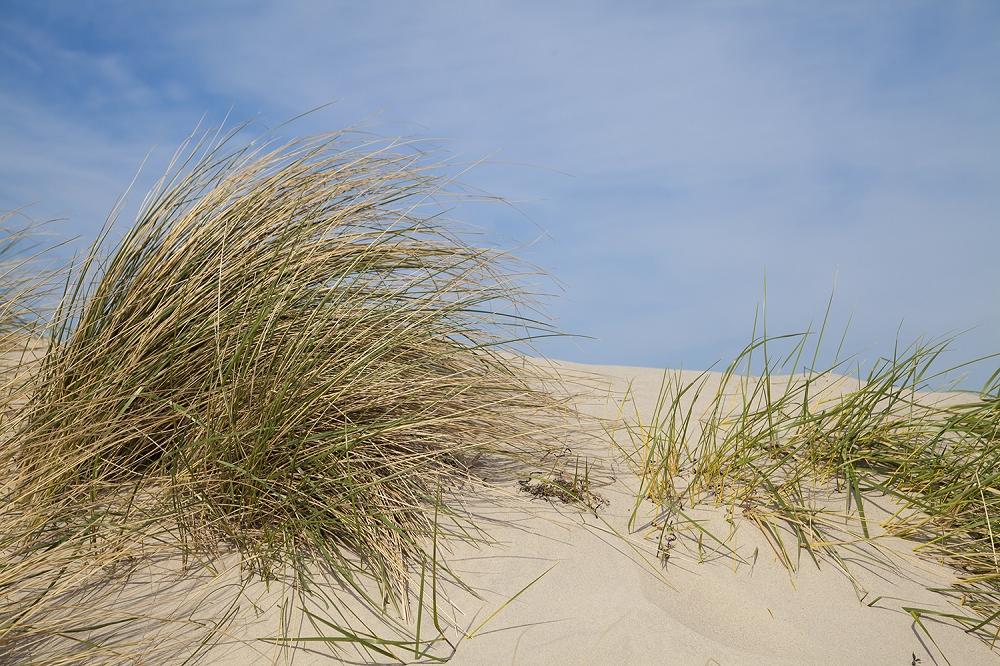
[{"x": 608, "y": 599}]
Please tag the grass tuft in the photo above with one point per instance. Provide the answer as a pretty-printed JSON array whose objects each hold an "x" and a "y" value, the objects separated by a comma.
[
  {"x": 807, "y": 454},
  {"x": 569, "y": 489},
  {"x": 290, "y": 355}
]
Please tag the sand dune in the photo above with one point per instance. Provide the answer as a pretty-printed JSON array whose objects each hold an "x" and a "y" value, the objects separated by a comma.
[{"x": 607, "y": 599}]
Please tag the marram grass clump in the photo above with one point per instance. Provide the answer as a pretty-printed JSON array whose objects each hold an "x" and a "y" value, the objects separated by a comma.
[
  {"x": 802, "y": 456},
  {"x": 290, "y": 354}
]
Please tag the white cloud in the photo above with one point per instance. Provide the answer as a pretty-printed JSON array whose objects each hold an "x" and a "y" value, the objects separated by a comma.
[{"x": 705, "y": 144}]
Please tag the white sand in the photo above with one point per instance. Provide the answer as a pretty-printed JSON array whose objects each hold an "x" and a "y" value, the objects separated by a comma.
[{"x": 606, "y": 599}]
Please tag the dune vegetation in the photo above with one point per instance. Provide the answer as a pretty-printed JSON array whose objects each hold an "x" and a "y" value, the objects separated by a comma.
[
  {"x": 276, "y": 386},
  {"x": 291, "y": 356},
  {"x": 801, "y": 449}
]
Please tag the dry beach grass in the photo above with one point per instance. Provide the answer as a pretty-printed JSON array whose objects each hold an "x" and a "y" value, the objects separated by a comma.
[{"x": 289, "y": 355}]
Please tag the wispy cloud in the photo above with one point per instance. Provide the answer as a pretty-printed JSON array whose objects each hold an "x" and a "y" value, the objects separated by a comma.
[{"x": 672, "y": 154}]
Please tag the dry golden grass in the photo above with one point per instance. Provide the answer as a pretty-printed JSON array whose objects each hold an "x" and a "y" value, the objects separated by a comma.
[{"x": 290, "y": 355}]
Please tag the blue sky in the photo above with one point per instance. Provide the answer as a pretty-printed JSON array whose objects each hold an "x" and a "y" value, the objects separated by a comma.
[{"x": 662, "y": 156}]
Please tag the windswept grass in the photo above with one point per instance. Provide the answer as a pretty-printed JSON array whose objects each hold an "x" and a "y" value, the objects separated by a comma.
[
  {"x": 290, "y": 355},
  {"x": 19, "y": 286},
  {"x": 804, "y": 453}
]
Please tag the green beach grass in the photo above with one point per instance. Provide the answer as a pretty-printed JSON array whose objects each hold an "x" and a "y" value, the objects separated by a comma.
[
  {"x": 801, "y": 450},
  {"x": 290, "y": 355}
]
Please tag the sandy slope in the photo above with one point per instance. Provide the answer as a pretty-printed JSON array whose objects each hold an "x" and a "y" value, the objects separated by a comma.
[{"x": 606, "y": 599}]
